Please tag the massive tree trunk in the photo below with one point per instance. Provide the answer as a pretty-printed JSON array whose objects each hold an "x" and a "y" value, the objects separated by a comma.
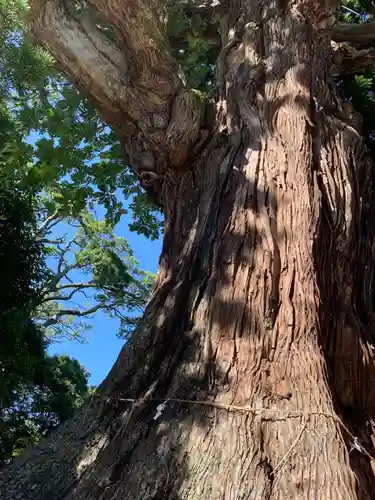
[{"x": 258, "y": 339}]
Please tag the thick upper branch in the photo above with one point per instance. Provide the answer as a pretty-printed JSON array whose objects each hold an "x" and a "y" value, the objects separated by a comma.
[
  {"x": 358, "y": 34},
  {"x": 137, "y": 90}
]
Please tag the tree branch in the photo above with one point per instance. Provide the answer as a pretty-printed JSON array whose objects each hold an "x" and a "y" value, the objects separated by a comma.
[
  {"x": 76, "y": 285},
  {"x": 79, "y": 287},
  {"x": 54, "y": 298},
  {"x": 48, "y": 223},
  {"x": 138, "y": 92},
  {"x": 360, "y": 35},
  {"x": 72, "y": 312},
  {"x": 62, "y": 261},
  {"x": 52, "y": 242},
  {"x": 351, "y": 44}
]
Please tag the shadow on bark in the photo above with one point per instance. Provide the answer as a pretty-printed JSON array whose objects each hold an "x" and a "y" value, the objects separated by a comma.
[
  {"x": 114, "y": 448},
  {"x": 212, "y": 319}
]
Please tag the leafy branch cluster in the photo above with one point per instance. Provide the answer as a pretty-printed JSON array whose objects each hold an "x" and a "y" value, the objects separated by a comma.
[{"x": 106, "y": 278}]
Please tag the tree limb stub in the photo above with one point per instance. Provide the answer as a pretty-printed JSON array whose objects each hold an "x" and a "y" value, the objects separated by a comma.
[{"x": 138, "y": 90}]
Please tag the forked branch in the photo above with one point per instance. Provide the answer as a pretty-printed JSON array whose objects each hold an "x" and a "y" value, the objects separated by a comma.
[{"x": 137, "y": 89}]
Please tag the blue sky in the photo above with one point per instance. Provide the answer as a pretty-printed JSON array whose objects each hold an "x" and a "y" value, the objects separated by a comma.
[{"x": 102, "y": 346}]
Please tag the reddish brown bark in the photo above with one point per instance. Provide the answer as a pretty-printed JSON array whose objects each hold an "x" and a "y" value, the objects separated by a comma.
[{"x": 263, "y": 308}]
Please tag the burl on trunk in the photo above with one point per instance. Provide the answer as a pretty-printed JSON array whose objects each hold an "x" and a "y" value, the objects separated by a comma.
[{"x": 258, "y": 339}]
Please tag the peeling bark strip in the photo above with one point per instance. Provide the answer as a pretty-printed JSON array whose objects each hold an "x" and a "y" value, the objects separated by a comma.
[{"x": 265, "y": 292}]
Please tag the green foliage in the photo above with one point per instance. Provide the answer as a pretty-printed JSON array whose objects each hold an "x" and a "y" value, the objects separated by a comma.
[
  {"x": 107, "y": 256},
  {"x": 75, "y": 159},
  {"x": 58, "y": 390},
  {"x": 37, "y": 391},
  {"x": 59, "y": 151},
  {"x": 62, "y": 389},
  {"x": 57, "y": 160},
  {"x": 193, "y": 50},
  {"x": 23, "y": 272},
  {"x": 360, "y": 89},
  {"x": 355, "y": 11},
  {"x": 106, "y": 277}
]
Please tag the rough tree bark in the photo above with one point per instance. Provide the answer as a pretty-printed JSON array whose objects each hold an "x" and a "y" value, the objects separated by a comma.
[{"x": 259, "y": 334}]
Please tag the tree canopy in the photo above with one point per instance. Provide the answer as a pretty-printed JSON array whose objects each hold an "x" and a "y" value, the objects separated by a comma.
[
  {"x": 22, "y": 263},
  {"x": 37, "y": 391}
]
